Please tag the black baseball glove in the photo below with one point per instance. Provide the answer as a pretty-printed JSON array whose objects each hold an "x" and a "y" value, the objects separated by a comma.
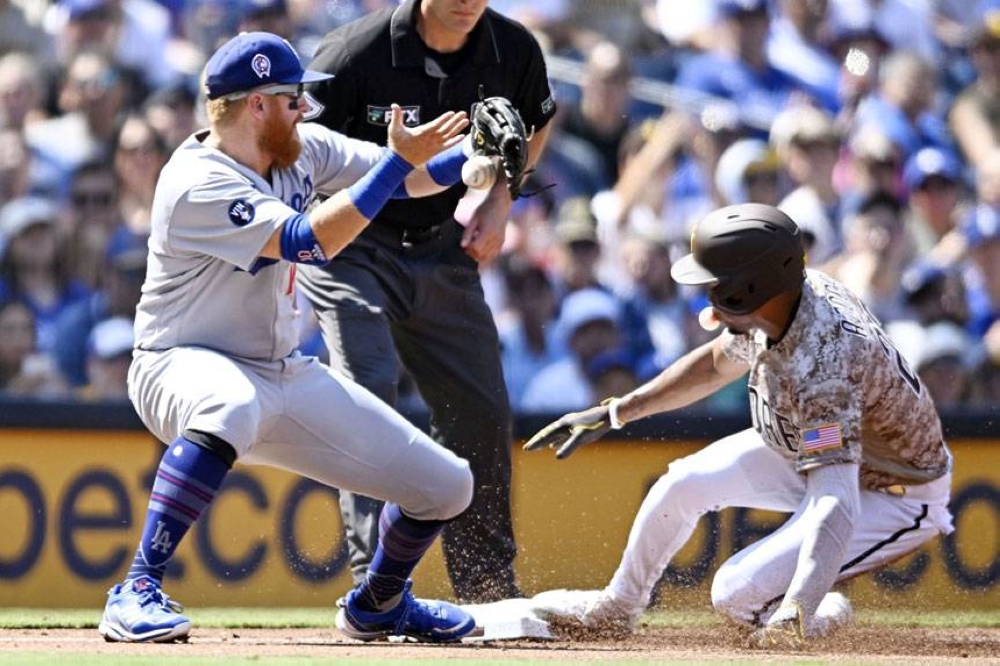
[
  {"x": 497, "y": 129},
  {"x": 572, "y": 431}
]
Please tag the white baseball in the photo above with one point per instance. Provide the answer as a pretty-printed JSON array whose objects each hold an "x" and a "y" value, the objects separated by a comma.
[
  {"x": 708, "y": 320},
  {"x": 480, "y": 172}
]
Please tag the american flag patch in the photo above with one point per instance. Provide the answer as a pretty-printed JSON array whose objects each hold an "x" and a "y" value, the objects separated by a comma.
[{"x": 822, "y": 438}]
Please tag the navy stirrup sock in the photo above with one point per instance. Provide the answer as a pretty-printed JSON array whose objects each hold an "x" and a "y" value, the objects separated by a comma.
[
  {"x": 402, "y": 542},
  {"x": 186, "y": 482}
]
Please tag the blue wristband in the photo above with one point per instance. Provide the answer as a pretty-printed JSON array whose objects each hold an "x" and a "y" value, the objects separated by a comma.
[
  {"x": 298, "y": 242},
  {"x": 377, "y": 186},
  {"x": 445, "y": 168}
]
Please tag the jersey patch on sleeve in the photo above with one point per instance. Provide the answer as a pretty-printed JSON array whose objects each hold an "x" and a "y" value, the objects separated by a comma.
[
  {"x": 821, "y": 438},
  {"x": 241, "y": 212}
]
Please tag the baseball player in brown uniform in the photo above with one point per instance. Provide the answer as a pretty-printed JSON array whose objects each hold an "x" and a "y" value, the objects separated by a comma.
[{"x": 845, "y": 438}]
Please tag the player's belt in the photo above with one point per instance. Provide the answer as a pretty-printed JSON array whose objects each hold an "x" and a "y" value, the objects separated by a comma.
[{"x": 404, "y": 238}]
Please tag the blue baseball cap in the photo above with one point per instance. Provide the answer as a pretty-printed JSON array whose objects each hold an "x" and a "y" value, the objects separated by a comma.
[
  {"x": 729, "y": 8},
  {"x": 928, "y": 162},
  {"x": 254, "y": 59},
  {"x": 981, "y": 225},
  {"x": 79, "y": 9}
]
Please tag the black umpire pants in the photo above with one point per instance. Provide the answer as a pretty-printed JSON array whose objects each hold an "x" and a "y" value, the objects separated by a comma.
[{"x": 422, "y": 295}]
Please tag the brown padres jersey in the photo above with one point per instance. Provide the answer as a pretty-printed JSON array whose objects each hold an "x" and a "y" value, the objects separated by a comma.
[{"x": 835, "y": 390}]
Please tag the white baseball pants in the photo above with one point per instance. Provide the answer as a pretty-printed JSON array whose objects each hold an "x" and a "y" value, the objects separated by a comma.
[
  {"x": 742, "y": 471},
  {"x": 297, "y": 414}
]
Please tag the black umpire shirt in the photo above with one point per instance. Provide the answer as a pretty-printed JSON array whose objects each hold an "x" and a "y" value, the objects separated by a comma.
[{"x": 380, "y": 59}]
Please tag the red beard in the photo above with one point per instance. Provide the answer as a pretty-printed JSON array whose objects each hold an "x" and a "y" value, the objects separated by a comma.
[{"x": 280, "y": 140}]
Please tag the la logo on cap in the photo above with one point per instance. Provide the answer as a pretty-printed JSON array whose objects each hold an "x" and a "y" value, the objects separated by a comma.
[{"x": 261, "y": 65}]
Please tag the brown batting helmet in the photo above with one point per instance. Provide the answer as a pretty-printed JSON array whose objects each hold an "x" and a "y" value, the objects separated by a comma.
[{"x": 746, "y": 254}]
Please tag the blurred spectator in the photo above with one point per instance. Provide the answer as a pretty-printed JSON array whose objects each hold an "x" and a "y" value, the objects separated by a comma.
[
  {"x": 693, "y": 193},
  {"x": 172, "y": 113},
  {"x": 873, "y": 164},
  {"x": 267, "y": 16},
  {"x": 207, "y": 24},
  {"x": 94, "y": 219},
  {"x": 860, "y": 51},
  {"x": 877, "y": 249},
  {"x": 24, "y": 371},
  {"x": 640, "y": 202},
  {"x": 620, "y": 21},
  {"x": 941, "y": 354},
  {"x": 981, "y": 229},
  {"x": 577, "y": 250},
  {"x": 132, "y": 33},
  {"x": 738, "y": 69},
  {"x": 33, "y": 266},
  {"x": 654, "y": 316},
  {"x": 933, "y": 293},
  {"x": 17, "y": 33},
  {"x": 600, "y": 118},
  {"x": 109, "y": 354},
  {"x": 548, "y": 18},
  {"x": 796, "y": 46},
  {"x": 588, "y": 321},
  {"x": 748, "y": 171},
  {"x": 687, "y": 25},
  {"x": 975, "y": 116},
  {"x": 139, "y": 155},
  {"x": 15, "y": 165},
  {"x": 807, "y": 143},
  {"x": 611, "y": 374},
  {"x": 904, "y": 24},
  {"x": 20, "y": 90},
  {"x": 91, "y": 98},
  {"x": 120, "y": 290},
  {"x": 903, "y": 106},
  {"x": 528, "y": 336},
  {"x": 571, "y": 164},
  {"x": 529, "y": 232},
  {"x": 933, "y": 179}
]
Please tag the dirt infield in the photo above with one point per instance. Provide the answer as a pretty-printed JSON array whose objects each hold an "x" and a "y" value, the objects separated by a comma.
[{"x": 861, "y": 644}]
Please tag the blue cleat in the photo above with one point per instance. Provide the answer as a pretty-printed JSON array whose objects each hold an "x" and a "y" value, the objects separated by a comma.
[
  {"x": 417, "y": 619},
  {"x": 138, "y": 612}
]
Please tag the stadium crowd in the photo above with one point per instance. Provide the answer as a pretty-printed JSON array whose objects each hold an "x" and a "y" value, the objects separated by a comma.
[{"x": 875, "y": 124}]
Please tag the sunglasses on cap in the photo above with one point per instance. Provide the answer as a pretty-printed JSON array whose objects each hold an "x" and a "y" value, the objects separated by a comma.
[{"x": 293, "y": 91}]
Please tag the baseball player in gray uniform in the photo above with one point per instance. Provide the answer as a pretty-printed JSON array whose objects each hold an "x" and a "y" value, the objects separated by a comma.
[
  {"x": 844, "y": 437},
  {"x": 215, "y": 372}
]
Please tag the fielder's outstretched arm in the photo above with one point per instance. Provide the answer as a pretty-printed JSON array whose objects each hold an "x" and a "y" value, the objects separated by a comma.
[{"x": 329, "y": 227}]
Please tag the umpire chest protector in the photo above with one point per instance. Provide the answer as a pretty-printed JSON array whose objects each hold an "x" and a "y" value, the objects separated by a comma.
[{"x": 381, "y": 59}]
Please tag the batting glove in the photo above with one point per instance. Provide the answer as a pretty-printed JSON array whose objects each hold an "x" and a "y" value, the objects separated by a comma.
[
  {"x": 784, "y": 631},
  {"x": 573, "y": 431}
]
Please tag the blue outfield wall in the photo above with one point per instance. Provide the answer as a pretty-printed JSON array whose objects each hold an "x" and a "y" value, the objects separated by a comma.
[{"x": 74, "y": 481}]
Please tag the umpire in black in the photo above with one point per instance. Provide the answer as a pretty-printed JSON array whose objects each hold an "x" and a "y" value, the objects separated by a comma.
[{"x": 410, "y": 282}]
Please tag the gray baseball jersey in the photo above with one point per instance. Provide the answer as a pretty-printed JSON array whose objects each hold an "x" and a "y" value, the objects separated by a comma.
[
  {"x": 205, "y": 284},
  {"x": 834, "y": 389},
  {"x": 216, "y": 335}
]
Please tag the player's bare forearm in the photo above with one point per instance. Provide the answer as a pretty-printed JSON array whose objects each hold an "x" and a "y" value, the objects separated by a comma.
[
  {"x": 696, "y": 375},
  {"x": 537, "y": 144},
  {"x": 484, "y": 234}
]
